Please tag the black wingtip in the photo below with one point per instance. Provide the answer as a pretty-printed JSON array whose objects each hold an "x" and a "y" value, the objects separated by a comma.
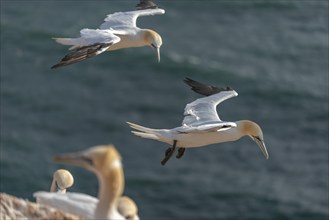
[
  {"x": 60, "y": 64},
  {"x": 192, "y": 83},
  {"x": 188, "y": 80},
  {"x": 204, "y": 89},
  {"x": 82, "y": 53},
  {"x": 55, "y": 66},
  {"x": 146, "y": 4}
]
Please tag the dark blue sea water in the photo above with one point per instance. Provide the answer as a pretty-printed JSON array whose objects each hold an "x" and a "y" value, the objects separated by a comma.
[{"x": 273, "y": 53}]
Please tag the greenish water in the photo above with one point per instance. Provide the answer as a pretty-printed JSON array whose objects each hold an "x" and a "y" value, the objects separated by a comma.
[{"x": 273, "y": 53}]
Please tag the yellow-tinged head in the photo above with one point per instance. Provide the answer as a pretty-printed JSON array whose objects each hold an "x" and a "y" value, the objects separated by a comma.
[
  {"x": 62, "y": 179},
  {"x": 153, "y": 39},
  {"x": 253, "y": 130},
  {"x": 99, "y": 159}
]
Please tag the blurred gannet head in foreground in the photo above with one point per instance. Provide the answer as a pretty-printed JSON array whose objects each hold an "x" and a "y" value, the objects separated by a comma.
[
  {"x": 100, "y": 159},
  {"x": 105, "y": 162},
  {"x": 62, "y": 180}
]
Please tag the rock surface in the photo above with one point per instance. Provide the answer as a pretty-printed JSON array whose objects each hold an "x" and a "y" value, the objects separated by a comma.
[{"x": 15, "y": 208}]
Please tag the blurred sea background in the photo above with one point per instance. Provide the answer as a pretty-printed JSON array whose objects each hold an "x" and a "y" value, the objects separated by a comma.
[{"x": 273, "y": 53}]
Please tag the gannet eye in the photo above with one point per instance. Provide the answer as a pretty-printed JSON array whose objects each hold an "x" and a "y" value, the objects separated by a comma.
[
  {"x": 257, "y": 138},
  {"x": 153, "y": 46}
]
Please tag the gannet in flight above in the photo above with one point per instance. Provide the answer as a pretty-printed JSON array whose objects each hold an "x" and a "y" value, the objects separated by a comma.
[
  {"x": 105, "y": 162},
  {"x": 117, "y": 32},
  {"x": 146, "y": 4},
  {"x": 202, "y": 126},
  {"x": 62, "y": 180}
]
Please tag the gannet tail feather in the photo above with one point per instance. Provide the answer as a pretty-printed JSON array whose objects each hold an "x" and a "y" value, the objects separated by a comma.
[
  {"x": 143, "y": 129},
  {"x": 145, "y": 135},
  {"x": 145, "y": 132},
  {"x": 66, "y": 41},
  {"x": 154, "y": 134}
]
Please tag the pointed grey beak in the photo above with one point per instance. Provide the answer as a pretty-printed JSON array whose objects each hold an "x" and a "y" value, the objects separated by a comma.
[
  {"x": 58, "y": 189},
  {"x": 158, "y": 53},
  {"x": 262, "y": 146},
  {"x": 77, "y": 159},
  {"x": 55, "y": 188}
]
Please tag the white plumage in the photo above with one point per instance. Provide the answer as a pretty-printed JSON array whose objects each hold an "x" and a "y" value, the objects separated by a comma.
[
  {"x": 118, "y": 31},
  {"x": 201, "y": 125},
  {"x": 74, "y": 203},
  {"x": 105, "y": 162},
  {"x": 126, "y": 21}
]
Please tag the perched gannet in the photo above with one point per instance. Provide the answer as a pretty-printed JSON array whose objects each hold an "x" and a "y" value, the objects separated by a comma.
[
  {"x": 146, "y": 4},
  {"x": 117, "y": 32},
  {"x": 202, "y": 126},
  {"x": 84, "y": 205},
  {"x": 62, "y": 179},
  {"x": 105, "y": 162}
]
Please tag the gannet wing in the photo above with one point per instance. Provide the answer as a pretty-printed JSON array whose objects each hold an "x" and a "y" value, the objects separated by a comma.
[
  {"x": 203, "y": 110},
  {"x": 75, "y": 203},
  {"x": 204, "y": 89},
  {"x": 146, "y": 4},
  {"x": 91, "y": 43},
  {"x": 208, "y": 127},
  {"x": 127, "y": 20},
  {"x": 90, "y": 37}
]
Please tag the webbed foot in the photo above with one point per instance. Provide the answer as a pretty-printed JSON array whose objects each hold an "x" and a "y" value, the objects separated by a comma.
[
  {"x": 181, "y": 152},
  {"x": 169, "y": 152}
]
